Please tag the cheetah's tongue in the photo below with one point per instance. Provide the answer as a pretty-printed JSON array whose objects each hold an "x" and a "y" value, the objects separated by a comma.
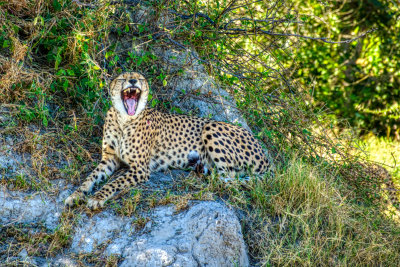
[{"x": 131, "y": 104}]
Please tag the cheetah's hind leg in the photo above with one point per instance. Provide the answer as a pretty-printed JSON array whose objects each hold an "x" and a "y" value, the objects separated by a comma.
[{"x": 198, "y": 165}]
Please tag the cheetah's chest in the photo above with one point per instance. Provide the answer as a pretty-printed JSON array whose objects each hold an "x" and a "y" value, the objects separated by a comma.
[{"x": 131, "y": 143}]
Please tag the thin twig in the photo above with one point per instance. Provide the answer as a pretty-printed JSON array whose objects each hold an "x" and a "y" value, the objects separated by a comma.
[
  {"x": 79, "y": 3},
  {"x": 258, "y": 30}
]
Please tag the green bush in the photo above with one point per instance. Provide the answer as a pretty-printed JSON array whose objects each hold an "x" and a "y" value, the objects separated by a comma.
[{"x": 359, "y": 81}]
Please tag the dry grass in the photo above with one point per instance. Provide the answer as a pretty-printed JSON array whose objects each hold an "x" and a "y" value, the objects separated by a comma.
[
  {"x": 36, "y": 239},
  {"x": 305, "y": 216},
  {"x": 18, "y": 7}
]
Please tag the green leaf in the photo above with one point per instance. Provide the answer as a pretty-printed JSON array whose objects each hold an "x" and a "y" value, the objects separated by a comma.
[
  {"x": 56, "y": 5},
  {"x": 198, "y": 33},
  {"x": 65, "y": 85},
  {"x": 58, "y": 58},
  {"x": 141, "y": 28},
  {"x": 6, "y": 43},
  {"x": 44, "y": 120},
  {"x": 36, "y": 20}
]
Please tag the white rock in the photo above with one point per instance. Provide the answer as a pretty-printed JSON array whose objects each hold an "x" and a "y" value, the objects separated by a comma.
[
  {"x": 19, "y": 207},
  {"x": 100, "y": 228},
  {"x": 207, "y": 234},
  {"x": 212, "y": 101},
  {"x": 62, "y": 262},
  {"x": 23, "y": 254},
  {"x": 9, "y": 161}
]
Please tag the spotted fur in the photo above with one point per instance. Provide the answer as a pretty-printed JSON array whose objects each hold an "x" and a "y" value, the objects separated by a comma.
[{"x": 151, "y": 141}]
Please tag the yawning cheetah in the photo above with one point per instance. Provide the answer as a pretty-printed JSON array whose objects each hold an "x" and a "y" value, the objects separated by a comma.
[{"x": 147, "y": 140}]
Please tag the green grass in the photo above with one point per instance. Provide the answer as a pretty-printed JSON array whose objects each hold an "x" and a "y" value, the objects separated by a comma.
[
  {"x": 318, "y": 222},
  {"x": 305, "y": 216}
]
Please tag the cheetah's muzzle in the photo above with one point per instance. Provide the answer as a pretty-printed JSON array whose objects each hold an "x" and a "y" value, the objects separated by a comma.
[{"x": 130, "y": 98}]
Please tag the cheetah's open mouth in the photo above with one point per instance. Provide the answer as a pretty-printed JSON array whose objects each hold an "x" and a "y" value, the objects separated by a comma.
[{"x": 130, "y": 96}]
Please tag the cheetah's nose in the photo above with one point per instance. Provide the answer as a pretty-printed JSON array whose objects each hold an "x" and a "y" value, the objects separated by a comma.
[{"x": 133, "y": 81}]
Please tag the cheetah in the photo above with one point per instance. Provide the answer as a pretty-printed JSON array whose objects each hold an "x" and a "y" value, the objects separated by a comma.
[{"x": 147, "y": 140}]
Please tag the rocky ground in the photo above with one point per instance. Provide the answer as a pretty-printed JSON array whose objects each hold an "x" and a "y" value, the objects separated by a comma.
[{"x": 207, "y": 233}]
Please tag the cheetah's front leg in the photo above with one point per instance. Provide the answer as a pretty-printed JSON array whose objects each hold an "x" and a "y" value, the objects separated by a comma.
[
  {"x": 132, "y": 177},
  {"x": 106, "y": 167}
]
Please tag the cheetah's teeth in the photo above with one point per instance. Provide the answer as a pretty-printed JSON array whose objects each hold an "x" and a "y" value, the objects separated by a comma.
[{"x": 131, "y": 90}]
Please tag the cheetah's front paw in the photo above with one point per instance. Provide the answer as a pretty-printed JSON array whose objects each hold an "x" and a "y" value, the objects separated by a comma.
[
  {"x": 95, "y": 203},
  {"x": 74, "y": 198}
]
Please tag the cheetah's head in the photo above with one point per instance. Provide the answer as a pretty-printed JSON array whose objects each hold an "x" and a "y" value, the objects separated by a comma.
[{"x": 129, "y": 93}]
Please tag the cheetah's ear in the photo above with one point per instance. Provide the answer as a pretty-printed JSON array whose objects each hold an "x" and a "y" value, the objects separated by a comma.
[
  {"x": 108, "y": 80},
  {"x": 146, "y": 83},
  {"x": 111, "y": 78}
]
